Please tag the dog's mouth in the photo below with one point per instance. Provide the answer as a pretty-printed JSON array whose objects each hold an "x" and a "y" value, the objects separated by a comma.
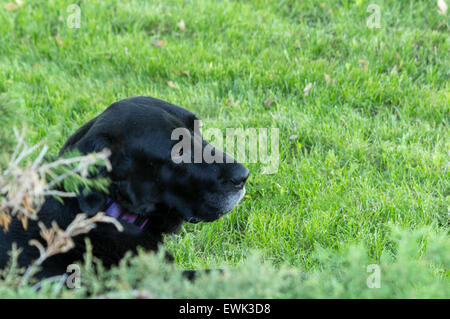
[
  {"x": 118, "y": 212},
  {"x": 225, "y": 206}
]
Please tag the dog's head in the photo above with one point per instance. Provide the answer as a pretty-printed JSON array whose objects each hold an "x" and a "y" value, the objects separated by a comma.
[{"x": 147, "y": 177}]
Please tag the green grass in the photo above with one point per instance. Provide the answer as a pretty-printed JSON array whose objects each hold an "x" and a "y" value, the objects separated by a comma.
[{"x": 372, "y": 145}]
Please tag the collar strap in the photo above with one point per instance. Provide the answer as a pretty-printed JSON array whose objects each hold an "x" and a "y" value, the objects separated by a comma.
[{"x": 115, "y": 211}]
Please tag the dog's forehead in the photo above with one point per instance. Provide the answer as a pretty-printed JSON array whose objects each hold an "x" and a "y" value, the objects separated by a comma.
[
  {"x": 144, "y": 113},
  {"x": 144, "y": 127}
]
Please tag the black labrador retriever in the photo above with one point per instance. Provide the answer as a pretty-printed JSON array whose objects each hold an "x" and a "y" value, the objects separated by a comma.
[{"x": 150, "y": 193}]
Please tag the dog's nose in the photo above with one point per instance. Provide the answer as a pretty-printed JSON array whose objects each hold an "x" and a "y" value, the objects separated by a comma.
[{"x": 239, "y": 177}]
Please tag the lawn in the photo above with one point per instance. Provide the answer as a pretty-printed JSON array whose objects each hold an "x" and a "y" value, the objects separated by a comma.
[{"x": 362, "y": 112}]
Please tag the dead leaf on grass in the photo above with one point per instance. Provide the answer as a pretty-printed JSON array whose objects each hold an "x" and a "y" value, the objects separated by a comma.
[
  {"x": 307, "y": 89},
  {"x": 11, "y": 6},
  {"x": 182, "y": 25},
  {"x": 158, "y": 43},
  {"x": 442, "y": 6},
  {"x": 59, "y": 41},
  {"x": 172, "y": 85},
  {"x": 268, "y": 102}
]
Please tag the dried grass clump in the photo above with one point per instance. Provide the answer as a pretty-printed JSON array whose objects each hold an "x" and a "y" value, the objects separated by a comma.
[
  {"x": 60, "y": 241},
  {"x": 24, "y": 184}
]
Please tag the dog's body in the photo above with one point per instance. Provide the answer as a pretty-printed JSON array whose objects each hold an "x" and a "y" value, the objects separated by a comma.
[{"x": 150, "y": 194}]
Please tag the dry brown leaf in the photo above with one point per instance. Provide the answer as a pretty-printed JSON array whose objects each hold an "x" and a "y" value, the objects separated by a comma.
[
  {"x": 5, "y": 220},
  {"x": 172, "y": 85},
  {"x": 158, "y": 43},
  {"x": 442, "y": 6},
  {"x": 363, "y": 64},
  {"x": 108, "y": 82},
  {"x": 24, "y": 220},
  {"x": 268, "y": 102},
  {"x": 59, "y": 41},
  {"x": 327, "y": 78},
  {"x": 11, "y": 6},
  {"x": 307, "y": 88},
  {"x": 185, "y": 72},
  {"x": 96, "y": 100},
  {"x": 394, "y": 70},
  {"x": 182, "y": 25}
]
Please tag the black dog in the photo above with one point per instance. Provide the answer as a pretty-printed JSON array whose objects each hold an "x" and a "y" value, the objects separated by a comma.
[{"x": 150, "y": 193}]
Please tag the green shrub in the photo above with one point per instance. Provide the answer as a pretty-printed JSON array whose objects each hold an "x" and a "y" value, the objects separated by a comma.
[
  {"x": 6, "y": 116},
  {"x": 417, "y": 269}
]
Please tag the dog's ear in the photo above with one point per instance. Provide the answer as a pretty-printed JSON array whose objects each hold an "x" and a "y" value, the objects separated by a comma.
[
  {"x": 91, "y": 202},
  {"x": 87, "y": 139}
]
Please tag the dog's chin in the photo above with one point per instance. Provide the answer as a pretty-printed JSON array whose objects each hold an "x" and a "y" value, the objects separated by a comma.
[{"x": 225, "y": 206}]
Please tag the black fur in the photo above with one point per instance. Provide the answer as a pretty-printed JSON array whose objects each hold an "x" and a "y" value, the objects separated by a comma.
[{"x": 144, "y": 180}]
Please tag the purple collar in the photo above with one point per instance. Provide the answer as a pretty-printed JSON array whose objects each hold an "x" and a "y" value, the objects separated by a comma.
[{"x": 114, "y": 210}]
